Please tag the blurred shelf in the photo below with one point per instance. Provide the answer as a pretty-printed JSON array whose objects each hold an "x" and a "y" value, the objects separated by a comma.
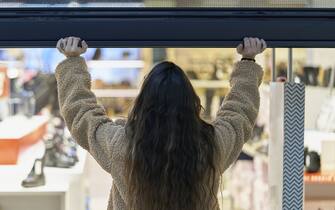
[
  {"x": 57, "y": 179},
  {"x": 26, "y": 126},
  {"x": 319, "y": 186},
  {"x": 132, "y": 93},
  {"x": 319, "y": 178},
  {"x": 251, "y": 150},
  {"x": 210, "y": 84},
  {"x": 116, "y": 93},
  {"x": 313, "y": 140},
  {"x": 106, "y": 64}
]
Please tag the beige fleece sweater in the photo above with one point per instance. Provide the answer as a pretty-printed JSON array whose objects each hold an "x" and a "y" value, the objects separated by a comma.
[{"x": 105, "y": 139}]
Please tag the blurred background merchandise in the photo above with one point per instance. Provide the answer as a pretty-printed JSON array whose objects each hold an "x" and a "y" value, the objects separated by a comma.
[
  {"x": 29, "y": 93},
  {"x": 52, "y": 172}
]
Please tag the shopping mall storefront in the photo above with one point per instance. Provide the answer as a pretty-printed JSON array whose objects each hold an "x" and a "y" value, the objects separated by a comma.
[{"x": 288, "y": 164}]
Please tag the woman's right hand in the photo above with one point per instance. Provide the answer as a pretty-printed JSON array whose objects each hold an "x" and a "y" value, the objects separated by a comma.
[
  {"x": 72, "y": 46},
  {"x": 251, "y": 47}
]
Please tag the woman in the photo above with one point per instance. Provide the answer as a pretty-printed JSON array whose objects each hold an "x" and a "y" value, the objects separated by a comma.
[{"x": 164, "y": 157}]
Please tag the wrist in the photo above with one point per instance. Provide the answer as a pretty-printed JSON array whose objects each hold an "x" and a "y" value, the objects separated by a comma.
[
  {"x": 72, "y": 56},
  {"x": 248, "y": 59},
  {"x": 249, "y": 56}
]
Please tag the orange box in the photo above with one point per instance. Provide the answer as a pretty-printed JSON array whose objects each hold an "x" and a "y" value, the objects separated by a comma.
[
  {"x": 9, "y": 152},
  {"x": 11, "y": 141}
]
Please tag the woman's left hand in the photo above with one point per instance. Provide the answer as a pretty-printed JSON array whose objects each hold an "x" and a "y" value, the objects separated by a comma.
[{"x": 72, "y": 46}]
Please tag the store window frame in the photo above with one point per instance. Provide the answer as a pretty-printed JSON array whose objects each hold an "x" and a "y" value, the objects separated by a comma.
[{"x": 167, "y": 27}]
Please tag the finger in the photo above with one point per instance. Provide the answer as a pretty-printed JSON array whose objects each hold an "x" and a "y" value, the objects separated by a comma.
[
  {"x": 246, "y": 42},
  {"x": 258, "y": 44},
  {"x": 71, "y": 39},
  {"x": 75, "y": 43},
  {"x": 65, "y": 41},
  {"x": 239, "y": 48},
  {"x": 83, "y": 49},
  {"x": 60, "y": 45},
  {"x": 84, "y": 46},
  {"x": 264, "y": 45},
  {"x": 253, "y": 42},
  {"x": 68, "y": 44},
  {"x": 63, "y": 45}
]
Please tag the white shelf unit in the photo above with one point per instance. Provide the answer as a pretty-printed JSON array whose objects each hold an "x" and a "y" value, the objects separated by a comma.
[
  {"x": 64, "y": 188},
  {"x": 107, "y": 64},
  {"x": 132, "y": 93},
  {"x": 313, "y": 140},
  {"x": 116, "y": 64},
  {"x": 210, "y": 84},
  {"x": 115, "y": 93}
]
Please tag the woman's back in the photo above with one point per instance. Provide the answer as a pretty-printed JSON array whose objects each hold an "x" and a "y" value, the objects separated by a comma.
[
  {"x": 170, "y": 151},
  {"x": 164, "y": 156}
]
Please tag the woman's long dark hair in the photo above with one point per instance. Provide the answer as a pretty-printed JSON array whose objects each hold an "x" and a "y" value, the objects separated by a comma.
[{"x": 170, "y": 163}]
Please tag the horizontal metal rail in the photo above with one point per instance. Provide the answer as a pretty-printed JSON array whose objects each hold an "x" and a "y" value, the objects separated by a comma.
[{"x": 167, "y": 27}]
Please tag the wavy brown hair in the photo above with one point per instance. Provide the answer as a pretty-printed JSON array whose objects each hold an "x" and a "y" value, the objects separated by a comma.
[{"x": 170, "y": 163}]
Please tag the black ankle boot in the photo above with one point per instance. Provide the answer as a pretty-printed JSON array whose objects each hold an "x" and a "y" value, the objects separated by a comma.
[
  {"x": 55, "y": 157},
  {"x": 36, "y": 176}
]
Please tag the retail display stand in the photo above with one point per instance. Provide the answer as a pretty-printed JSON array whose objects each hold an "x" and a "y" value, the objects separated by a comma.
[
  {"x": 64, "y": 188},
  {"x": 28, "y": 132},
  {"x": 286, "y": 146}
]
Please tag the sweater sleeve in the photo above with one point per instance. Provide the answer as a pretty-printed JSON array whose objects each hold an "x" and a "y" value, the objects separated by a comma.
[
  {"x": 87, "y": 121},
  {"x": 237, "y": 115}
]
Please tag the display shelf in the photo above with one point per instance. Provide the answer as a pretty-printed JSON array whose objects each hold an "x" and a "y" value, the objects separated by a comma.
[
  {"x": 107, "y": 64},
  {"x": 26, "y": 125},
  {"x": 319, "y": 178},
  {"x": 57, "y": 179},
  {"x": 64, "y": 188},
  {"x": 132, "y": 93},
  {"x": 313, "y": 139},
  {"x": 319, "y": 186},
  {"x": 210, "y": 84},
  {"x": 115, "y": 93}
]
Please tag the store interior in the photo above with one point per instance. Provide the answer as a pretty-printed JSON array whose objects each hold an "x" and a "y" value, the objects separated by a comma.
[{"x": 41, "y": 164}]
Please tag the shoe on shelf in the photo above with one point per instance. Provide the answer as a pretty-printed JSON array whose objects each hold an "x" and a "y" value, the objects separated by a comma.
[
  {"x": 60, "y": 152},
  {"x": 54, "y": 158},
  {"x": 36, "y": 176}
]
